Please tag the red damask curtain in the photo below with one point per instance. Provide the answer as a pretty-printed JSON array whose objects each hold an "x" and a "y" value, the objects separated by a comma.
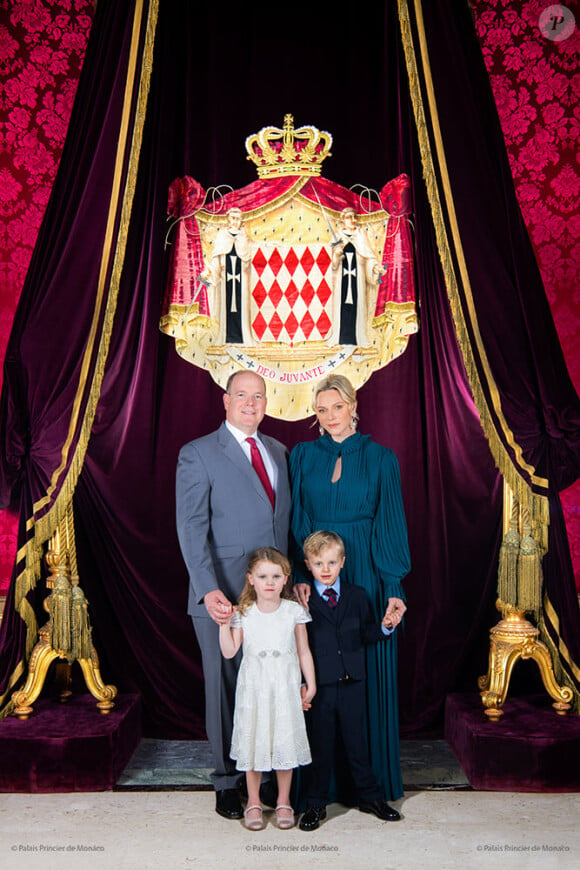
[{"x": 42, "y": 47}]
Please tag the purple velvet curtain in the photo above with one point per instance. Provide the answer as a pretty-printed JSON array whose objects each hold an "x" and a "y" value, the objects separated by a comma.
[{"x": 215, "y": 79}]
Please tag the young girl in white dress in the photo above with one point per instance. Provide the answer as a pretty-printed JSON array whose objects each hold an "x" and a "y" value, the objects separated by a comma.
[{"x": 269, "y": 730}]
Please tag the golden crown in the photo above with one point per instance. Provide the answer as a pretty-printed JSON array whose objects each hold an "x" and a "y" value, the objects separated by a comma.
[{"x": 288, "y": 152}]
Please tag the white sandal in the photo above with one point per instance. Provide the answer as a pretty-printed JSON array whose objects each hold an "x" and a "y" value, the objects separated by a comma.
[
  {"x": 284, "y": 823},
  {"x": 253, "y": 824}
]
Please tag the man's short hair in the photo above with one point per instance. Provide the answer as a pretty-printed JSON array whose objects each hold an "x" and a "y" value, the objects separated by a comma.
[
  {"x": 242, "y": 372},
  {"x": 318, "y": 541}
]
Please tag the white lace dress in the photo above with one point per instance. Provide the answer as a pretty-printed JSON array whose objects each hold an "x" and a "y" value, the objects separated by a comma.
[{"x": 269, "y": 729}]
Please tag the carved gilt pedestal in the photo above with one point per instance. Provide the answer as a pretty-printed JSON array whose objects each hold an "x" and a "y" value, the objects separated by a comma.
[
  {"x": 66, "y": 637},
  {"x": 513, "y": 638}
]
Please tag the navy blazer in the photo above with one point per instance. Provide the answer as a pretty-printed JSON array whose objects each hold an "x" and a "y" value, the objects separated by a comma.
[{"x": 338, "y": 637}]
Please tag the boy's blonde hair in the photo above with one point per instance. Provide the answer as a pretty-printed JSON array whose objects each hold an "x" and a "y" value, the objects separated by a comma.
[
  {"x": 265, "y": 554},
  {"x": 318, "y": 541}
]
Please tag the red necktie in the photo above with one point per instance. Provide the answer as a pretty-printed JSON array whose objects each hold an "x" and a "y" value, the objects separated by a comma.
[
  {"x": 260, "y": 469},
  {"x": 331, "y": 597}
]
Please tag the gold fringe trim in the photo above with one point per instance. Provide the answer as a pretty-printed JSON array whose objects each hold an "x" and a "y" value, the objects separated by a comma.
[
  {"x": 529, "y": 571},
  {"x": 82, "y": 645},
  {"x": 535, "y": 503},
  {"x": 15, "y": 676},
  {"x": 70, "y": 544},
  {"x": 45, "y": 527},
  {"x": 28, "y": 616}
]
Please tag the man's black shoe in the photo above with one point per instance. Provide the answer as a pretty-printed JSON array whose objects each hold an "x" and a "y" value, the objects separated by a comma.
[
  {"x": 228, "y": 804},
  {"x": 269, "y": 793},
  {"x": 312, "y": 818},
  {"x": 380, "y": 809}
]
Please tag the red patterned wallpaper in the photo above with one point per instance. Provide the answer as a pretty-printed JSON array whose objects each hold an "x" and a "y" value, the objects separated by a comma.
[
  {"x": 42, "y": 47},
  {"x": 534, "y": 78},
  {"x": 531, "y": 56}
]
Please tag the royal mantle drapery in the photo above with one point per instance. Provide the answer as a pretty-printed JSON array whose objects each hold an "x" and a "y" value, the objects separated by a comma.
[
  {"x": 96, "y": 404},
  {"x": 289, "y": 318},
  {"x": 186, "y": 197}
]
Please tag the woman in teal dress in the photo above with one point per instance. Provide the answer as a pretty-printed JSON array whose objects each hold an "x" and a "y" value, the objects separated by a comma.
[{"x": 346, "y": 483}]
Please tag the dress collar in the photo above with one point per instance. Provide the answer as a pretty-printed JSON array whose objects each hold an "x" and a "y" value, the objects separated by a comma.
[{"x": 350, "y": 444}]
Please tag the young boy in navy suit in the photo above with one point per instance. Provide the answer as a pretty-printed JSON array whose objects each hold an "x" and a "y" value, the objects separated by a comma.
[{"x": 342, "y": 623}]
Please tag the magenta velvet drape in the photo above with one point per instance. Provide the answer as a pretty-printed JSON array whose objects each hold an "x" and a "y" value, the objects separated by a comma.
[{"x": 214, "y": 81}]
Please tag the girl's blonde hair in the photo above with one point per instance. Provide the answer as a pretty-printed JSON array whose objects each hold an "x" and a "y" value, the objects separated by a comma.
[{"x": 265, "y": 554}]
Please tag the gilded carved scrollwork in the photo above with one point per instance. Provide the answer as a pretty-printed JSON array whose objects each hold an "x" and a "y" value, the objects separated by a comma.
[
  {"x": 66, "y": 637},
  {"x": 514, "y": 638}
]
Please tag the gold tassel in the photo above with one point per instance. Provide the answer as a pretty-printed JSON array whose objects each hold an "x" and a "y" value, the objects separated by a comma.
[
  {"x": 508, "y": 560},
  {"x": 529, "y": 571},
  {"x": 60, "y": 606},
  {"x": 82, "y": 645}
]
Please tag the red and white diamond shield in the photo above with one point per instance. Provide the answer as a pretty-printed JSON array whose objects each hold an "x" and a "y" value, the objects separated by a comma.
[{"x": 291, "y": 293}]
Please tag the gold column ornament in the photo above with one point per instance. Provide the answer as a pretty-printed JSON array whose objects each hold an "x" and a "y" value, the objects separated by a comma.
[
  {"x": 66, "y": 637},
  {"x": 520, "y": 591},
  {"x": 513, "y": 638}
]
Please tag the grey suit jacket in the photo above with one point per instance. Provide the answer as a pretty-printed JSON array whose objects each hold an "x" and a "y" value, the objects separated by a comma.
[{"x": 224, "y": 514}]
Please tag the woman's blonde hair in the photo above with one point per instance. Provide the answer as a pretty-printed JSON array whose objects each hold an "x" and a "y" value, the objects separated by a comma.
[
  {"x": 265, "y": 554},
  {"x": 342, "y": 386}
]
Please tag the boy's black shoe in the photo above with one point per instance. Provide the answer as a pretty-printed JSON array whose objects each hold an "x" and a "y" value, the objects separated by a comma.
[
  {"x": 312, "y": 818},
  {"x": 380, "y": 809}
]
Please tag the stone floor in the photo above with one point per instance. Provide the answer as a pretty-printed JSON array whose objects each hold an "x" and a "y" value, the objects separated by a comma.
[
  {"x": 451, "y": 830},
  {"x": 162, "y": 764},
  {"x": 162, "y": 816}
]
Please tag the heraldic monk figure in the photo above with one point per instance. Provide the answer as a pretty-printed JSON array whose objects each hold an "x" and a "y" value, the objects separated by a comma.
[
  {"x": 356, "y": 274},
  {"x": 229, "y": 280}
]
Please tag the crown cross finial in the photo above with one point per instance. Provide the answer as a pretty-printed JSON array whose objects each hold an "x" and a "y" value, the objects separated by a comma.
[{"x": 288, "y": 151}]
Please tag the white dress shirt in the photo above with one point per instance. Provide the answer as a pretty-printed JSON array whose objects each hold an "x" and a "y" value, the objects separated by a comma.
[{"x": 241, "y": 437}]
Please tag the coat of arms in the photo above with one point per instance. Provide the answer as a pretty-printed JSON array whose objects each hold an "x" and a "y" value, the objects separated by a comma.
[{"x": 293, "y": 276}]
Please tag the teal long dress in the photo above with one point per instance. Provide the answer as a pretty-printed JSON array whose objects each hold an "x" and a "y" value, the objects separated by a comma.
[{"x": 365, "y": 507}]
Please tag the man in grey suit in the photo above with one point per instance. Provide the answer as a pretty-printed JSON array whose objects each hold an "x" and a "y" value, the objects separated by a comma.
[{"x": 229, "y": 502}]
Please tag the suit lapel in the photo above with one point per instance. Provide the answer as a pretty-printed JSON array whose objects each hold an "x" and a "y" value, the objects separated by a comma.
[
  {"x": 235, "y": 454},
  {"x": 274, "y": 452},
  {"x": 343, "y": 601},
  {"x": 320, "y": 605}
]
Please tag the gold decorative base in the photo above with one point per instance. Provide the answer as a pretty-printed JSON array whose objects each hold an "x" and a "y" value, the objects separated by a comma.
[
  {"x": 513, "y": 638},
  {"x": 40, "y": 660},
  {"x": 66, "y": 637}
]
